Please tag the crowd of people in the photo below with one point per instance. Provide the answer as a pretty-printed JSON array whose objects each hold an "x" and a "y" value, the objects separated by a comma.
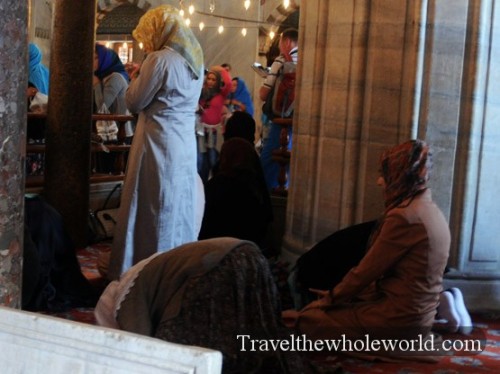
[
  {"x": 221, "y": 95},
  {"x": 188, "y": 261},
  {"x": 185, "y": 114}
]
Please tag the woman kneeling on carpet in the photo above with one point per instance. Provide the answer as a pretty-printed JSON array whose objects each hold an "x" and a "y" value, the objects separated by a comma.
[
  {"x": 204, "y": 293},
  {"x": 394, "y": 290}
]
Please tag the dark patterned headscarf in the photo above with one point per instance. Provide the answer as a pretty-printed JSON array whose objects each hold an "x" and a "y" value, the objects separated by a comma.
[{"x": 405, "y": 169}]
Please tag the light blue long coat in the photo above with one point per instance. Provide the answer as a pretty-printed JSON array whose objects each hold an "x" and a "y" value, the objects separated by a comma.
[{"x": 158, "y": 204}]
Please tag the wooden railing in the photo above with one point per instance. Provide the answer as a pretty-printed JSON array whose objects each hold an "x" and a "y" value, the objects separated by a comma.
[{"x": 119, "y": 147}]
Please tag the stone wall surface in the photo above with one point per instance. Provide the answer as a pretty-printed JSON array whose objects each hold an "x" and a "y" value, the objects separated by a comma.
[{"x": 373, "y": 74}]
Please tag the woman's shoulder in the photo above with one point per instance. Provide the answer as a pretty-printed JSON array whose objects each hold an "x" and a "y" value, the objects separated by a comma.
[
  {"x": 165, "y": 54},
  {"x": 115, "y": 79},
  {"x": 166, "y": 59},
  {"x": 415, "y": 208}
]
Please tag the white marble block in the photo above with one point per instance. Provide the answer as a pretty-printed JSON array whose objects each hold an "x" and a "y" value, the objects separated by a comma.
[{"x": 34, "y": 343}]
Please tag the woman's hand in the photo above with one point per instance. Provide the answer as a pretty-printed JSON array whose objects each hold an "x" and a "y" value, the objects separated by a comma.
[
  {"x": 290, "y": 318},
  {"x": 320, "y": 293},
  {"x": 132, "y": 69},
  {"x": 324, "y": 298},
  {"x": 241, "y": 107}
]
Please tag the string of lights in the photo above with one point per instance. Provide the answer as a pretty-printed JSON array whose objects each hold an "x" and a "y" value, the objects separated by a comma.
[
  {"x": 238, "y": 19},
  {"x": 184, "y": 11}
]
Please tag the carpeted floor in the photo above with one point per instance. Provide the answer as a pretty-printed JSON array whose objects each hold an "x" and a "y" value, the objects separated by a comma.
[{"x": 486, "y": 329}]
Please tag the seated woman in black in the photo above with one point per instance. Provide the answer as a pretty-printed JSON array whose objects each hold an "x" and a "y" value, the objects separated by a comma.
[
  {"x": 240, "y": 125},
  {"x": 237, "y": 203}
]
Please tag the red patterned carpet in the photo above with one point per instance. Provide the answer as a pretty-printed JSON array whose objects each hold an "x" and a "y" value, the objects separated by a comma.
[
  {"x": 87, "y": 257},
  {"x": 486, "y": 327}
]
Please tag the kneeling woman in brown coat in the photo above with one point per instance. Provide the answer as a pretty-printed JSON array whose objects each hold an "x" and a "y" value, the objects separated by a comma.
[{"x": 394, "y": 291}]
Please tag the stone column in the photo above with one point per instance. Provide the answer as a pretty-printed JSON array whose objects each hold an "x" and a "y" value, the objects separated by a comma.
[
  {"x": 356, "y": 82},
  {"x": 470, "y": 37},
  {"x": 13, "y": 106},
  {"x": 67, "y": 157}
]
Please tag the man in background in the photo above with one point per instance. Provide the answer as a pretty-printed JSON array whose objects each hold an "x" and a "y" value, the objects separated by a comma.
[{"x": 288, "y": 52}]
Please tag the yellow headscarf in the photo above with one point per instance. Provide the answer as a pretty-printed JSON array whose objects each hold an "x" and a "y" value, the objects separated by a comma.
[{"x": 163, "y": 27}]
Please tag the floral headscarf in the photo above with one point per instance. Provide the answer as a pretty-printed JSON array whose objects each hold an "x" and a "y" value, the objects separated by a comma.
[
  {"x": 405, "y": 169},
  {"x": 109, "y": 63},
  {"x": 163, "y": 27}
]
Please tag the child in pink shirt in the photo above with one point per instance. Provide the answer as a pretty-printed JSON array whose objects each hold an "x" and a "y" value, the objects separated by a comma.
[{"x": 216, "y": 88}]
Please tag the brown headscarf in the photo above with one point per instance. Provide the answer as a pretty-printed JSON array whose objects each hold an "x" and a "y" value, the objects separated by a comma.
[
  {"x": 405, "y": 169},
  {"x": 163, "y": 27}
]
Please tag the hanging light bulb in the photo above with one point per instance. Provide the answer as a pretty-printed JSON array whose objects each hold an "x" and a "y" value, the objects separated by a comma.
[
  {"x": 108, "y": 44},
  {"x": 141, "y": 45},
  {"x": 244, "y": 31},
  {"x": 286, "y": 3},
  {"x": 246, "y": 4},
  {"x": 220, "y": 29},
  {"x": 125, "y": 45},
  {"x": 212, "y": 6},
  {"x": 201, "y": 26},
  {"x": 191, "y": 9},
  {"x": 188, "y": 22},
  {"x": 271, "y": 35}
]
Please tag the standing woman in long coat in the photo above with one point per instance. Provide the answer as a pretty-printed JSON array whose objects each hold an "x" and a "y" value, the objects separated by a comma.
[{"x": 159, "y": 198}]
